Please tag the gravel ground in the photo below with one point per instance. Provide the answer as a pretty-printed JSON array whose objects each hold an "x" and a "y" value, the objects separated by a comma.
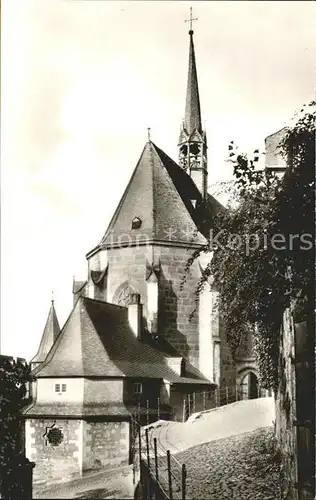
[{"x": 234, "y": 468}]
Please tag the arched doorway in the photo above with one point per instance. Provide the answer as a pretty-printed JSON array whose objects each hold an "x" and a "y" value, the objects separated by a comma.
[{"x": 249, "y": 386}]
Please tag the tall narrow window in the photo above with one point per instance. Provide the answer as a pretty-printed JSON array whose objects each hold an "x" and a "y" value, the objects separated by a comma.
[
  {"x": 57, "y": 387},
  {"x": 63, "y": 387}
]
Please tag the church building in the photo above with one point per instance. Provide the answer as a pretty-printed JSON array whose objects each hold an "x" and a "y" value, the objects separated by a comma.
[{"x": 139, "y": 339}]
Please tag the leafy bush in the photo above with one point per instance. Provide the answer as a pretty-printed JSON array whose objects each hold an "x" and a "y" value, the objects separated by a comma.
[{"x": 263, "y": 258}]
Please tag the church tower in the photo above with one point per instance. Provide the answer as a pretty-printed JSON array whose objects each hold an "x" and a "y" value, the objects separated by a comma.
[{"x": 192, "y": 141}]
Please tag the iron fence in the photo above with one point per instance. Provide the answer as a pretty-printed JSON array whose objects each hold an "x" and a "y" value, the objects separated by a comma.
[{"x": 160, "y": 475}]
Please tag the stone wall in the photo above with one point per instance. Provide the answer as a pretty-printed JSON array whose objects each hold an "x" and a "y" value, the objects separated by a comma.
[
  {"x": 285, "y": 409},
  {"x": 54, "y": 463},
  {"x": 106, "y": 444},
  {"x": 295, "y": 408},
  {"x": 85, "y": 445}
]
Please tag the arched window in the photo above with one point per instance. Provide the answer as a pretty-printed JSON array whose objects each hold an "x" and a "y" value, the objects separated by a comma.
[{"x": 123, "y": 294}]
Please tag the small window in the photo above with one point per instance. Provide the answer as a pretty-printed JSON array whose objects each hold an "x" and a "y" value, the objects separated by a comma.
[
  {"x": 57, "y": 387},
  {"x": 138, "y": 388},
  {"x": 63, "y": 387},
  {"x": 136, "y": 223}
]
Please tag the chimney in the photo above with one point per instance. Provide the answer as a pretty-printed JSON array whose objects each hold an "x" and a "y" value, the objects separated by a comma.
[{"x": 135, "y": 314}]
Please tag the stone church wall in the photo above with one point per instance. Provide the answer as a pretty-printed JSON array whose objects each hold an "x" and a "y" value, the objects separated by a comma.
[
  {"x": 175, "y": 305},
  {"x": 178, "y": 309},
  {"x": 227, "y": 364}
]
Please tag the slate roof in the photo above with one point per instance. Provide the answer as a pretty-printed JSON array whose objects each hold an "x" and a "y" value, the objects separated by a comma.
[
  {"x": 160, "y": 194},
  {"x": 76, "y": 410},
  {"x": 97, "y": 341},
  {"x": 50, "y": 334}
]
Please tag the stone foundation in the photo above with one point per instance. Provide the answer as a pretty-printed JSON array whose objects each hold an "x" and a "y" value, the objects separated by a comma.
[
  {"x": 84, "y": 446},
  {"x": 54, "y": 463}
]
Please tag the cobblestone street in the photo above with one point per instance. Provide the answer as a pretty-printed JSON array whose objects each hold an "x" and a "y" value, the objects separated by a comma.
[{"x": 243, "y": 467}]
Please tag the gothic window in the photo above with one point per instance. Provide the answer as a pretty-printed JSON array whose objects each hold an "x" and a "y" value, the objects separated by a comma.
[
  {"x": 194, "y": 149},
  {"x": 136, "y": 223},
  {"x": 184, "y": 149},
  {"x": 53, "y": 435},
  {"x": 122, "y": 296}
]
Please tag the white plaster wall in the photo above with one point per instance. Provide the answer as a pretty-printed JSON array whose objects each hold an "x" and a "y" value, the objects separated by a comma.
[{"x": 46, "y": 390}]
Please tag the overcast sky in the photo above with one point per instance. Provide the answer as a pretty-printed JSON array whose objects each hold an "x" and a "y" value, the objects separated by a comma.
[{"x": 82, "y": 81}]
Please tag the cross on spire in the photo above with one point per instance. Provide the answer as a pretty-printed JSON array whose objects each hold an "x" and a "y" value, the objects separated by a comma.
[
  {"x": 148, "y": 133},
  {"x": 191, "y": 21}
]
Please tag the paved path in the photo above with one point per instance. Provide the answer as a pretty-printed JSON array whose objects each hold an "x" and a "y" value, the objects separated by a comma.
[
  {"x": 116, "y": 484},
  {"x": 231, "y": 420},
  {"x": 242, "y": 467},
  {"x": 224, "y": 422}
]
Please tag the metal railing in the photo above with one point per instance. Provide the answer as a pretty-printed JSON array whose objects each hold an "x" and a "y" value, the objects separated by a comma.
[{"x": 161, "y": 475}]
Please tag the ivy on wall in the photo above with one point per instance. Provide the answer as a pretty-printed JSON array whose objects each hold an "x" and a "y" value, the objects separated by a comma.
[{"x": 263, "y": 255}]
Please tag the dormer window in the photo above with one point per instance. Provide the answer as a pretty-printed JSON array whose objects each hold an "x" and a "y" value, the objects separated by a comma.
[{"x": 136, "y": 223}]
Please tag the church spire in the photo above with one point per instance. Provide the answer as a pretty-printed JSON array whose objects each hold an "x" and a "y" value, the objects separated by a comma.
[
  {"x": 50, "y": 334},
  {"x": 192, "y": 119},
  {"x": 192, "y": 141}
]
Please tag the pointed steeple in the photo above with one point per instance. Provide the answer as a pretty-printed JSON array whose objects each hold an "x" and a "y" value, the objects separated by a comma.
[
  {"x": 192, "y": 117},
  {"x": 192, "y": 141},
  {"x": 50, "y": 334}
]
